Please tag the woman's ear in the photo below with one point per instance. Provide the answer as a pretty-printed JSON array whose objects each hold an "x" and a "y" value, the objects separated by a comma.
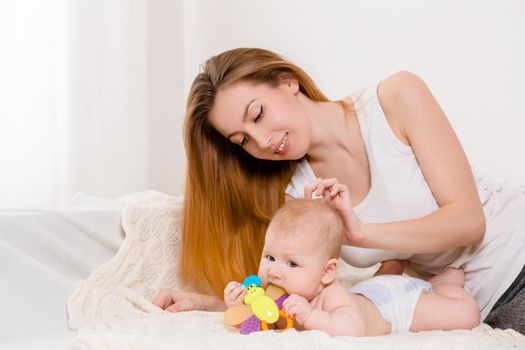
[
  {"x": 289, "y": 82},
  {"x": 330, "y": 269}
]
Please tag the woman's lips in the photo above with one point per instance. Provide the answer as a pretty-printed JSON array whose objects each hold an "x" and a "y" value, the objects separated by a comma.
[{"x": 283, "y": 146}]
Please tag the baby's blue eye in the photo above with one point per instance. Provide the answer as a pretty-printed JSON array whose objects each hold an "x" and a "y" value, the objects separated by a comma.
[
  {"x": 292, "y": 264},
  {"x": 270, "y": 258}
]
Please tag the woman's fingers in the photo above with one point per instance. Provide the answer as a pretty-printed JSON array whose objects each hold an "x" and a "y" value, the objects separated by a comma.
[
  {"x": 165, "y": 298},
  {"x": 318, "y": 187},
  {"x": 182, "y": 305},
  {"x": 175, "y": 301},
  {"x": 324, "y": 188},
  {"x": 338, "y": 189},
  {"x": 309, "y": 189}
]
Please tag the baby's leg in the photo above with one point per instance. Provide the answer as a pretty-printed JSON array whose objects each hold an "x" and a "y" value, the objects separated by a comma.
[{"x": 448, "y": 306}]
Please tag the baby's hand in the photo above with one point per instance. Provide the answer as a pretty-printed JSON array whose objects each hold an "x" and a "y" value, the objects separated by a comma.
[
  {"x": 297, "y": 307},
  {"x": 234, "y": 293}
]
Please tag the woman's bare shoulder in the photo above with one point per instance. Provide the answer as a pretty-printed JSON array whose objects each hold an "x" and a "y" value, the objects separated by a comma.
[
  {"x": 400, "y": 96},
  {"x": 400, "y": 89}
]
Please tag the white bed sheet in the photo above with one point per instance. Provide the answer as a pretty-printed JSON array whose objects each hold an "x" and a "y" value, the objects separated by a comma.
[
  {"x": 112, "y": 309},
  {"x": 43, "y": 253}
]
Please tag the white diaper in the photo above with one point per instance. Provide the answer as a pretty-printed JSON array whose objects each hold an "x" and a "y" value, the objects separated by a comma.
[{"x": 395, "y": 296}]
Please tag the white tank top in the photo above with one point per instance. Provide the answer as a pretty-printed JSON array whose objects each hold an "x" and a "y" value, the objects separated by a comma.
[{"x": 399, "y": 191}]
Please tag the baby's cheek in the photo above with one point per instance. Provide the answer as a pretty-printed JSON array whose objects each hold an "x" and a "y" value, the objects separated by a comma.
[{"x": 262, "y": 275}]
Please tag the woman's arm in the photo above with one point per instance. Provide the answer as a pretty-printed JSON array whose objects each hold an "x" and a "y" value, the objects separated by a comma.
[
  {"x": 175, "y": 301},
  {"x": 417, "y": 120}
]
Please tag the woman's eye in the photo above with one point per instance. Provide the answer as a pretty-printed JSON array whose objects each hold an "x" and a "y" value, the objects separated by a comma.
[
  {"x": 292, "y": 264},
  {"x": 259, "y": 115},
  {"x": 270, "y": 258},
  {"x": 244, "y": 141}
]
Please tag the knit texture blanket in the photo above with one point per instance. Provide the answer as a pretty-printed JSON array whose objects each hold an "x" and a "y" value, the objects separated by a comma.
[{"x": 112, "y": 308}]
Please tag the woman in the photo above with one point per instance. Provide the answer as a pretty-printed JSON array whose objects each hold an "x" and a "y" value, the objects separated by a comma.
[{"x": 258, "y": 128}]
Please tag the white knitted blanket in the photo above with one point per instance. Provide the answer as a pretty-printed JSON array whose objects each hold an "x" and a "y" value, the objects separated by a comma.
[{"x": 112, "y": 308}]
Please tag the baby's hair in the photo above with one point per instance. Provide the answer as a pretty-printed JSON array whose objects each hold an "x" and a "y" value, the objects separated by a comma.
[{"x": 300, "y": 216}]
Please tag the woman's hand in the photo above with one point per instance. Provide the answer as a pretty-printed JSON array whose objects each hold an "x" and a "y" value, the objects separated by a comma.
[
  {"x": 175, "y": 301},
  {"x": 336, "y": 196},
  {"x": 234, "y": 293}
]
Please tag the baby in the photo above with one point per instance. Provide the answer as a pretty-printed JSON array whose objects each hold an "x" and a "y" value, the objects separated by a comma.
[{"x": 301, "y": 255}]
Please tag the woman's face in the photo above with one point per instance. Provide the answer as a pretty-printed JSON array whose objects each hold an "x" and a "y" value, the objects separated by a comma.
[{"x": 268, "y": 123}]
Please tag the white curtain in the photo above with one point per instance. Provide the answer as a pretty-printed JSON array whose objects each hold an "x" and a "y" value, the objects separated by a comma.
[{"x": 73, "y": 100}]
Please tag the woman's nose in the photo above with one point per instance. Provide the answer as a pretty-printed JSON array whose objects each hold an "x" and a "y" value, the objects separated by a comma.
[{"x": 262, "y": 140}]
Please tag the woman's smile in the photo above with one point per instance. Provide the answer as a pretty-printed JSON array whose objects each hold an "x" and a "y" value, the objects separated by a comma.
[{"x": 283, "y": 146}]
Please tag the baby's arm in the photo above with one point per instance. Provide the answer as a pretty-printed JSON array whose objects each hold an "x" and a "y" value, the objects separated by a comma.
[
  {"x": 234, "y": 294},
  {"x": 345, "y": 320},
  {"x": 341, "y": 318}
]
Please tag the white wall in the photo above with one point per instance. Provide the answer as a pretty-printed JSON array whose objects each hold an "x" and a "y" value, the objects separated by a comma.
[
  {"x": 115, "y": 75},
  {"x": 166, "y": 98},
  {"x": 128, "y": 136},
  {"x": 469, "y": 52},
  {"x": 105, "y": 121}
]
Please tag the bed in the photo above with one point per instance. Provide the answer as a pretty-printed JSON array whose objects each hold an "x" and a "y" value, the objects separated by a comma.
[
  {"x": 43, "y": 254},
  {"x": 106, "y": 261}
]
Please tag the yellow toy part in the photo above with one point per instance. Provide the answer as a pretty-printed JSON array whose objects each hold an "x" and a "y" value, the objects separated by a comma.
[
  {"x": 261, "y": 310},
  {"x": 237, "y": 314},
  {"x": 262, "y": 306}
]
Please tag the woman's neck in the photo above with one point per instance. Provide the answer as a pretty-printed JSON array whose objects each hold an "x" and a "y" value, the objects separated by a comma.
[{"x": 331, "y": 129}]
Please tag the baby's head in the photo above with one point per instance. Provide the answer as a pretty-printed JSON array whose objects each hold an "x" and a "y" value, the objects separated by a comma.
[{"x": 302, "y": 247}]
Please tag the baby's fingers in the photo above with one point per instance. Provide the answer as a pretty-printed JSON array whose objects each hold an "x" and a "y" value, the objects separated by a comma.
[
  {"x": 289, "y": 304},
  {"x": 230, "y": 287},
  {"x": 238, "y": 293},
  {"x": 288, "y": 308}
]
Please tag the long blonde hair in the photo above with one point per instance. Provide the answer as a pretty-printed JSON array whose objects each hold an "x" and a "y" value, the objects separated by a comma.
[{"x": 230, "y": 196}]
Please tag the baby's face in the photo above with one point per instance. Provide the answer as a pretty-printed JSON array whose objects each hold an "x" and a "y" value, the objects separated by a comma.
[{"x": 294, "y": 262}]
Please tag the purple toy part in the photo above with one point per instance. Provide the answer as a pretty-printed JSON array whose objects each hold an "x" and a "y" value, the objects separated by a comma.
[
  {"x": 280, "y": 301},
  {"x": 252, "y": 324}
]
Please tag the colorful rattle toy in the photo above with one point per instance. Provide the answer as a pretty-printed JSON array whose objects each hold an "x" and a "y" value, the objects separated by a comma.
[{"x": 261, "y": 308}]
